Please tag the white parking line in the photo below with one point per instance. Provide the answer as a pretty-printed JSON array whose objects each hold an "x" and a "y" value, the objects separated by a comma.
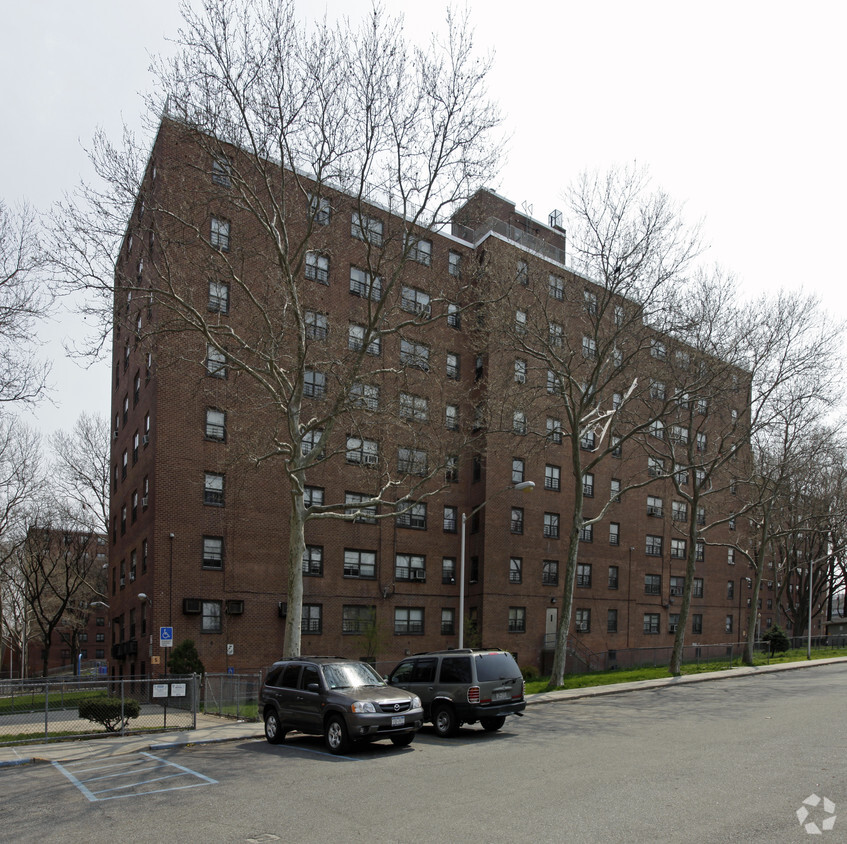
[{"x": 81, "y": 775}]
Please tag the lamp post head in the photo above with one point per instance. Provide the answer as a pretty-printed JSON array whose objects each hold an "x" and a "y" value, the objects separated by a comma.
[{"x": 524, "y": 486}]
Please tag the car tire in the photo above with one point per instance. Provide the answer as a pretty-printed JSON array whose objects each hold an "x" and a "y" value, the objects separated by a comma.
[
  {"x": 402, "y": 741},
  {"x": 274, "y": 732},
  {"x": 444, "y": 720},
  {"x": 335, "y": 734},
  {"x": 491, "y": 725}
]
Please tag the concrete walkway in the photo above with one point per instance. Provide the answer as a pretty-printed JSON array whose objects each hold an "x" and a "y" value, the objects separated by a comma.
[{"x": 211, "y": 729}]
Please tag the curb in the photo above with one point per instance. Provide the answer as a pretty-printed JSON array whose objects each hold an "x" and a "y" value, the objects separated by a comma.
[{"x": 198, "y": 742}]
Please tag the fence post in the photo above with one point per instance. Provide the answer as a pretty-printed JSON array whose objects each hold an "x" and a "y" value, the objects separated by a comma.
[
  {"x": 237, "y": 696},
  {"x": 196, "y": 683},
  {"x": 46, "y": 708},
  {"x": 123, "y": 713}
]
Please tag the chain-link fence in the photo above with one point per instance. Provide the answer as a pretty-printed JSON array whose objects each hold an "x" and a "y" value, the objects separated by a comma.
[
  {"x": 232, "y": 695},
  {"x": 48, "y": 709}
]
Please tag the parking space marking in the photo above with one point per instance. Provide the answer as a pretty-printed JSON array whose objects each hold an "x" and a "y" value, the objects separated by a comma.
[{"x": 104, "y": 782}]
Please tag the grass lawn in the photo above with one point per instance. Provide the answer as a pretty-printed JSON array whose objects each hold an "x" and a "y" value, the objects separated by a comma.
[
  {"x": 608, "y": 678},
  {"x": 34, "y": 702}
]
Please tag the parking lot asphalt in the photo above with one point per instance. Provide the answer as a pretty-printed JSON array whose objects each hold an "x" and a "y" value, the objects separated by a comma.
[{"x": 211, "y": 729}]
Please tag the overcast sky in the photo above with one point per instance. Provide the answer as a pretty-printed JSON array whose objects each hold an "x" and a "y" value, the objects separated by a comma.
[{"x": 736, "y": 107}]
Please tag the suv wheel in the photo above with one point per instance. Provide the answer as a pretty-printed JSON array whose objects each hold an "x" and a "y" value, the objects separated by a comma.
[
  {"x": 336, "y": 735},
  {"x": 444, "y": 719},
  {"x": 491, "y": 725},
  {"x": 402, "y": 741},
  {"x": 274, "y": 732}
]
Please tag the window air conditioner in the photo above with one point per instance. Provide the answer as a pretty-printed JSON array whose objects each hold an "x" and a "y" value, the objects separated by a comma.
[{"x": 191, "y": 606}]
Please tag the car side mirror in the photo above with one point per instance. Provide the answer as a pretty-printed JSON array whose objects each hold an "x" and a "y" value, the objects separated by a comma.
[{"x": 313, "y": 687}]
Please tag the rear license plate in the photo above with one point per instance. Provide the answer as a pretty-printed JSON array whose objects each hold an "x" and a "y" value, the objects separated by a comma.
[
  {"x": 500, "y": 696},
  {"x": 398, "y": 720}
]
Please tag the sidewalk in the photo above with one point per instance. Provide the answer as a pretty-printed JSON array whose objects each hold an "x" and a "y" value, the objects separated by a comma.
[{"x": 211, "y": 729}]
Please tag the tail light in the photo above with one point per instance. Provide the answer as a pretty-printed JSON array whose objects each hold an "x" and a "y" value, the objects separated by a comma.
[
  {"x": 473, "y": 694},
  {"x": 517, "y": 693}
]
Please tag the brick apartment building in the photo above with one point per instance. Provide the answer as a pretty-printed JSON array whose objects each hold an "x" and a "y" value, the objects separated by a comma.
[{"x": 200, "y": 526}]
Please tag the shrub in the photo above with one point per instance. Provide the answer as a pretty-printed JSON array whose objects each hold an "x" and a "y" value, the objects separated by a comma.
[
  {"x": 777, "y": 639},
  {"x": 111, "y": 712},
  {"x": 530, "y": 673},
  {"x": 185, "y": 659}
]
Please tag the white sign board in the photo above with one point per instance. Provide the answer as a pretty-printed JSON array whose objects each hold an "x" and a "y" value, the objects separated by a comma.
[
  {"x": 177, "y": 689},
  {"x": 160, "y": 689}
]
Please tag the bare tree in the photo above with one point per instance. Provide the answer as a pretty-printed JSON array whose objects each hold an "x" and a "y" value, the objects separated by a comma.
[
  {"x": 81, "y": 469},
  {"x": 297, "y": 124},
  {"x": 23, "y": 301}
]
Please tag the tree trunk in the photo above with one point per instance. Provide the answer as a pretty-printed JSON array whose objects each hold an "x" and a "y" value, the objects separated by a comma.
[{"x": 296, "y": 548}]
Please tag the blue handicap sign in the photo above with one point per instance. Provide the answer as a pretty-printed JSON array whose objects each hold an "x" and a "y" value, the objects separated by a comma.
[
  {"x": 230, "y": 670},
  {"x": 166, "y": 633}
]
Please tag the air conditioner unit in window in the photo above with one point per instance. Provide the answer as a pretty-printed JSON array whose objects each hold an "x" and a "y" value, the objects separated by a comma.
[
  {"x": 192, "y": 606},
  {"x": 370, "y": 458},
  {"x": 144, "y": 501},
  {"x": 116, "y": 433},
  {"x": 419, "y": 574},
  {"x": 145, "y": 439},
  {"x": 234, "y": 607}
]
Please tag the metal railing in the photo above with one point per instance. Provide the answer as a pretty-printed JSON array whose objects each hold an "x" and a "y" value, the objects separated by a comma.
[{"x": 232, "y": 695}]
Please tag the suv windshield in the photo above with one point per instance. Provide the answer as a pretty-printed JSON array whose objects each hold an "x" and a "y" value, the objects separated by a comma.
[
  {"x": 496, "y": 666},
  {"x": 346, "y": 675}
]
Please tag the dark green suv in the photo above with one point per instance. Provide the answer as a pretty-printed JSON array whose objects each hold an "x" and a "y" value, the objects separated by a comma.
[
  {"x": 463, "y": 686},
  {"x": 343, "y": 700}
]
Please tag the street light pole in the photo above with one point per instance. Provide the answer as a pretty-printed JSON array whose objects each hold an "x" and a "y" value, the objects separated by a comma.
[
  {"x": 523, "y": 486},
  {"x": 809, "y": 641}
]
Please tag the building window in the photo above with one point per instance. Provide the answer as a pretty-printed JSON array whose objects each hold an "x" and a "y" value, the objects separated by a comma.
[
  {"x": 359, "y": 563},
  {"x": 583, "y": 575},
  {"x": 415, "y": 408},
  {"x": 451, "y": 417},
  {"x": 518, "y": 467},
  {"x": 221, "y": 172},
  {"x": 613, "y": 577},
  {"x": 313, "y": 496},
  {"x": 557, "y": 287},
  {"x": 356, "y": 335},
  {"x": 411, "y": 515},
  {"x": 410, "y": 567},
  {"x": 366, "y": 228},
  {"x": 448, "y": 621},
  {"x": 677, "y": 585},
  {"x": 611, "y": 621},
  {"x": 697, "y": 588},
  {"x": 451, "y": 519},
  {"x": 679, "y": 511},
  {"x": 517, "y": 619},
  {"x": 552, "y": 478},
  {"x": 317, "y": 267},
  {"x": 454, "y": 316},
  {"x": 215, "y": 424},
  {"x": 414, "y": 354},
  {"x": 317, "y": 325},
  {"x": 415, "y": 301},
  {"x": 213, "y": 552},
  {"x": 583, "y": 621},
  {"x": 313, "y": 561},
  {"x": 357, "y": 618},
  {"x": 588, "y": 485},
  {"x": 520, "y": 323},
  {"x": 730, "y": 589},
  {"x": 515, "y": 569},
  {"x": 210, "y": 617},
  {"x": 678, "y": 547},
  {"x": 615, "y": 489},
  {"x": 454, "y": 264},
  {"x": 319, "y": 209},
  {"x": 310, "y": 621},
  {"x": 408, "y": 621},
  {"x": 658, "y": 349},
  {"x": 213, "y": 489},
  {"x": 614, "y": 533},
  {"x": 517, "y": 520},
  {"x": 652, "y": 584},
  {"x": 730, "y": 556},
  {"x": 696, "y": 623},
  {"x": 520, "y": 371},
  {"x": 309, "y": 441},
  {"x": 657, "y": 390},
  {"x": 588, "y": 441},
  {"x": 554, "y": 383},
  {"x": 551, "y": 525},
  {"x": 651, "y": 622},
  {"x": 556, "y": 335},
  {"x": 522, "y": 275},
  {"x": 451, "y": 470},
  {"x": 519, "y": 423},
  {"x": 700, "y": 552},
  {"x": 448, "y": 570},
  {"x": 362, "y": 451},
  {"x": 218, "y": 297},
  {"x": 219, "y": 234},
  {"x": 365, "y": 285},
  {"x": 314, "y": 384},
  {"x": 412, "y": 461},
  {"x": 364, "y": 396},
  {"x": 653, "y": 546},
  {"x": 554, "y": 430},
  {"x": 673, "y": 622},
  {"x": 589, "y": 348},
  {"x": 550, "y": 573},
  {"x": 728, "y": 624},
  {"x": 215, "y": 362},
  {"x": 453, "y": 366},
  {"x": 586, "y": 533},
  {"x": 361, "y": 515}
]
